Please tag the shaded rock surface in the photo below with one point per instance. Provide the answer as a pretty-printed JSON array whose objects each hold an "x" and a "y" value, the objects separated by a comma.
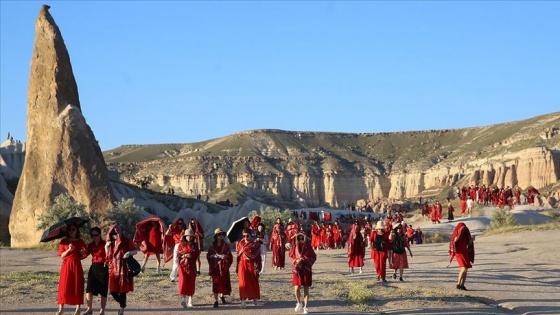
[{"x": 62, "y": 154}]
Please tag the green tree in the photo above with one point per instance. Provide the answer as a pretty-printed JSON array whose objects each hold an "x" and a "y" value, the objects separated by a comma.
[
  {"x": 65, "y": 207},
  {"x": 269, "y": 216},
  {"x": 126, "y": 214}
]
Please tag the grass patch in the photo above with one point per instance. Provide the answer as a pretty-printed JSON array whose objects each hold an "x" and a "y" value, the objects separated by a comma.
[
  {"x": 436, "y": 237},
  {"x": 523, "y": 228},
  {"x": 28, "y": 285},
  {"x": 555, "y": 214}
]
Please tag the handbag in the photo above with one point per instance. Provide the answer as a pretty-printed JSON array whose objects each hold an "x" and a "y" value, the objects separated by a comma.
[{"x": 134, "y": 267}]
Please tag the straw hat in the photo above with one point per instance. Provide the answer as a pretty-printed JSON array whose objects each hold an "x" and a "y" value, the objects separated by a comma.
[
  {"x": 380, "y": 225},
  {"x": 218, "y": 231}
]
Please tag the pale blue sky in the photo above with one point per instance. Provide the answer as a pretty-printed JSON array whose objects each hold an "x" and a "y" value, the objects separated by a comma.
[{"x": 180, "y": 72}]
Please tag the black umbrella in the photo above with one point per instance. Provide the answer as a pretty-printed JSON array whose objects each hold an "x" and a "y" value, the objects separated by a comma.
[
  {"x": 58, "y": 230},
  {"x": 234, "y": 232}
]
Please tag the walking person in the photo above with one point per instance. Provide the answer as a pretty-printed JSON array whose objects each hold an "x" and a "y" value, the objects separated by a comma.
[
  {"x": 278, "y": 245},
  {"x": 118, "y": 248},
  {"x": 198, "y": 238},
  {"x": 219, "y": 261},
  {"x": 378, "y": 241},
  {"x": 400, "y": 244},
  {"x": 248, "y": 268},
  {"x": 356, "y": 248},
  {"x": 72, "y": 249},
  {"x": 461, "y": 247},
  {"x": 263, "y": 239},
  {"x": 450, "y": 210},
  {"x": 176, "y": 231},
  {"x": 303, "y": 257},
  {"x": 98, "y": 274},
  {"x": 153, "y": 243},
  {"x": 188, "y": 253}
]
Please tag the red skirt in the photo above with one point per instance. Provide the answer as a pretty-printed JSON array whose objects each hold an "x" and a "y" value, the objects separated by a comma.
[
  {"x": 71, "y": 284},
  {"x": 186, "y": 281},
  {"x": 399, "y": 261},
  {"x": 302, "y": 279}
]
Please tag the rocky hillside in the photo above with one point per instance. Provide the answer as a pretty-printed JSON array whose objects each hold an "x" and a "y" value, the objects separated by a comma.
[{"x": 335, "y": 169}]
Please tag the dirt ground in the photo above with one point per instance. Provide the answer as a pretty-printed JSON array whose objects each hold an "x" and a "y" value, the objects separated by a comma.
[{"x": 516, "y": 273}]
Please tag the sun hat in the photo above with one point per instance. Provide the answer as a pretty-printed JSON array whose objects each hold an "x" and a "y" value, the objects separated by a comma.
[
  {"x": 380, "y": 225},
  {"x": 218, "y": 231}
]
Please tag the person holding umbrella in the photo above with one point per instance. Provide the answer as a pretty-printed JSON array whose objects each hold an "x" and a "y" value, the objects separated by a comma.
[
  {"x": 98, "y": 275},
  {"x": 118, "y": 248},
  {"x": 72, "y": 249},
  {"x": 220, "y": 259}
]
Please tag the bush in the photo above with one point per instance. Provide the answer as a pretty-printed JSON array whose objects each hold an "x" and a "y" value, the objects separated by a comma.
[
  {"x": 65, "y": 207},
  {"x": 269, "y": 216},
  {"x": 436, "y": 237},
  {"x": 126, "y": 214},
  {"x": 501, "y": 218}
]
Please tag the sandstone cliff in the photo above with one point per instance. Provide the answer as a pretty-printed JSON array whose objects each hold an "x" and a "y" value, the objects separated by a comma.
[
  {"x": 335, "y": 169},
  {"x": 62, "y": 154}
]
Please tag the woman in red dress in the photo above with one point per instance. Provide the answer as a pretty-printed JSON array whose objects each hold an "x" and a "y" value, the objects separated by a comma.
[
  {"x": 219, "y": 260},
  {"x": 72, "y": 250},
  {"x": 461, "y": 246},
  {"x": 98, "y": 274},
  {"x": 278, "y": 245},
  {"x": 316, "y": 235},
  {"x": 303, "y": 257},
  {"x": 154, "y": 244},
  {"x": 118, "y": 248},
  {"x": 187, "y": 253},
  {"x": 356, "y": 248},
  {"x": 337, "y": 235},
  {"x": 248, "y": 268}
]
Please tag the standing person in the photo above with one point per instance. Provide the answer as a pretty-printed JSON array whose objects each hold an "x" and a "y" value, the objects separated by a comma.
[
  {"x": 316, "y": 235},
  {"x": 419, "y": 236},
  {"x": 188, "y": 253},
  {"x": 356, "y": 248},
  {"x": 176, "y": 231},
  {"x": 199, "y": 238},
  {"x": 450, "y": 211},
  {"x": 461, "y": 246},
  {"x": 118, "y": 248},
  {"x": 219, "y": 261},
  {"x": 278, "y": 245},
  {"x": 337, "y": 235},
  {"x": 154, "y": 244},
  {"x": 262, "y": 238},
  {"x": 470, "y": 204},
  {"x": 378, "y": 241},
  {"x": 98, "y": 274},
  {"x": 303, "y": 257},
  {"x": 400, "y": 243},
  {"x": 72, "y": 249},
  {"x": 248, "y": 268}
]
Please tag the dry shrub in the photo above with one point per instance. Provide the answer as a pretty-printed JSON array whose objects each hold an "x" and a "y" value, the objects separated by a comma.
[{"x": 436, "y": 237}]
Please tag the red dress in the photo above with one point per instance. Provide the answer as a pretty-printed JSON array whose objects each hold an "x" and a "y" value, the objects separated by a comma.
[
  {"x": 219, "y": 267},
  {"x": 356, "y": 248},
  {"x": 71, "y": 283},
  {"x": 187, "y": 268},
  {"x": 248, "y": 264},
  {"x": 301, "y": 272},
  {"x": 316, "y": 236},
  {"x": 379, "y": 257},
  {"x": 278, "y": 242},
  {"x": 154, "y": 243},
  {"x": 463, "y": 249}
]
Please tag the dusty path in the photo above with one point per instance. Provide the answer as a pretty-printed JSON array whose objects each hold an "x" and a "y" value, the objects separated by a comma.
[{"x": 513, "y": 271}]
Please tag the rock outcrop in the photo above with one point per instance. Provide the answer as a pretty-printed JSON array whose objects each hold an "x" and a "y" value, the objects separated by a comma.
[{"x": 62, "y": 154}]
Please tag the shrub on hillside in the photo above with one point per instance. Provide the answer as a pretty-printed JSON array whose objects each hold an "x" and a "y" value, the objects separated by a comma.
[
  {"x": 436, "y": 237},
  {"x": 65, "y": 207},
  {"x": 126, "y": 214},
  {"x": 501, "y": 218}
]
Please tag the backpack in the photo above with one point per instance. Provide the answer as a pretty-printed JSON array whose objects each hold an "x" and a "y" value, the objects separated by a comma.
[
  {"x": 378, "y": 244},
  {"x": 398, "y": 245},
  {"x": 134, "y": 267}
]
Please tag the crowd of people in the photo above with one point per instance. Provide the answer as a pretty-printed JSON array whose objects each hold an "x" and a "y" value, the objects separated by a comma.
[{"x": 389, "y": 241}]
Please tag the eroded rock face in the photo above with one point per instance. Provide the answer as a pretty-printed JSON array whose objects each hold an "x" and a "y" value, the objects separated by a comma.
[{"x": 62, "y": 154}]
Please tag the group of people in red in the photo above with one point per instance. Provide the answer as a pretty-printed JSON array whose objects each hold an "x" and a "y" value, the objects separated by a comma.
[
  {"x": 325, "y": 236},
  {"x": 497, "y": 197},
  {"x": 108, "y": 271}
]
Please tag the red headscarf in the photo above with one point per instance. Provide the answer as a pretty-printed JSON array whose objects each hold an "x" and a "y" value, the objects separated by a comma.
[{"x": 461, "y": 230}]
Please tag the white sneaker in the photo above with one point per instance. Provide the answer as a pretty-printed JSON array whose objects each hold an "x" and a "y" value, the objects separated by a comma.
[
  {"x": 243, "y": 304},
  {"x": 183, "y": 302},
  {"x": 189, "y": 304},
  {"x": 305, "y": 310},
  {"x": 297, "y": 308},
  {"x": 361, "y": 271}
]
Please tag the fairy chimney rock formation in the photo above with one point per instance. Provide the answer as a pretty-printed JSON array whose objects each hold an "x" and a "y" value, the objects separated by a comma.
[{"x": 62, "y": 154}]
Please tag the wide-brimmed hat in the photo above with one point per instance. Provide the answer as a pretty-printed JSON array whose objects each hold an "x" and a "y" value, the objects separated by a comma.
[
  {"x": 398, "y": 225},
  {"x": 380, "y": 225},
  {"x": 219, "y": 231}
]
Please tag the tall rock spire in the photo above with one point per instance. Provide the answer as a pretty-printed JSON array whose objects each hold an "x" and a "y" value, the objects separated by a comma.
[{"x": 62, "y": 154}]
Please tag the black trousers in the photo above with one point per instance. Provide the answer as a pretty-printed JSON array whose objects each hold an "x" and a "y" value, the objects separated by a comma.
[{"x": 120, "y": 298}]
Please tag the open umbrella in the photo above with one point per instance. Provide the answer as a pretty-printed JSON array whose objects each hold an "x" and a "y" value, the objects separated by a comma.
[
  {"x": 234, "y": 232},
  {"x": 58, "y": 230}
]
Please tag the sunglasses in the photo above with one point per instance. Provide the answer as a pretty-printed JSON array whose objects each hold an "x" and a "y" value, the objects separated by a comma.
[
  {"x": 94, "y": 235},
  {"x": 246, "y": 235}
]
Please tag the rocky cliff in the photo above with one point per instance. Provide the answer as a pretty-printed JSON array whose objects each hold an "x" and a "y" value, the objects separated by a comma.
[
  {"x": 335, "y": 169},
  {"x": 61, "y": 154}
]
